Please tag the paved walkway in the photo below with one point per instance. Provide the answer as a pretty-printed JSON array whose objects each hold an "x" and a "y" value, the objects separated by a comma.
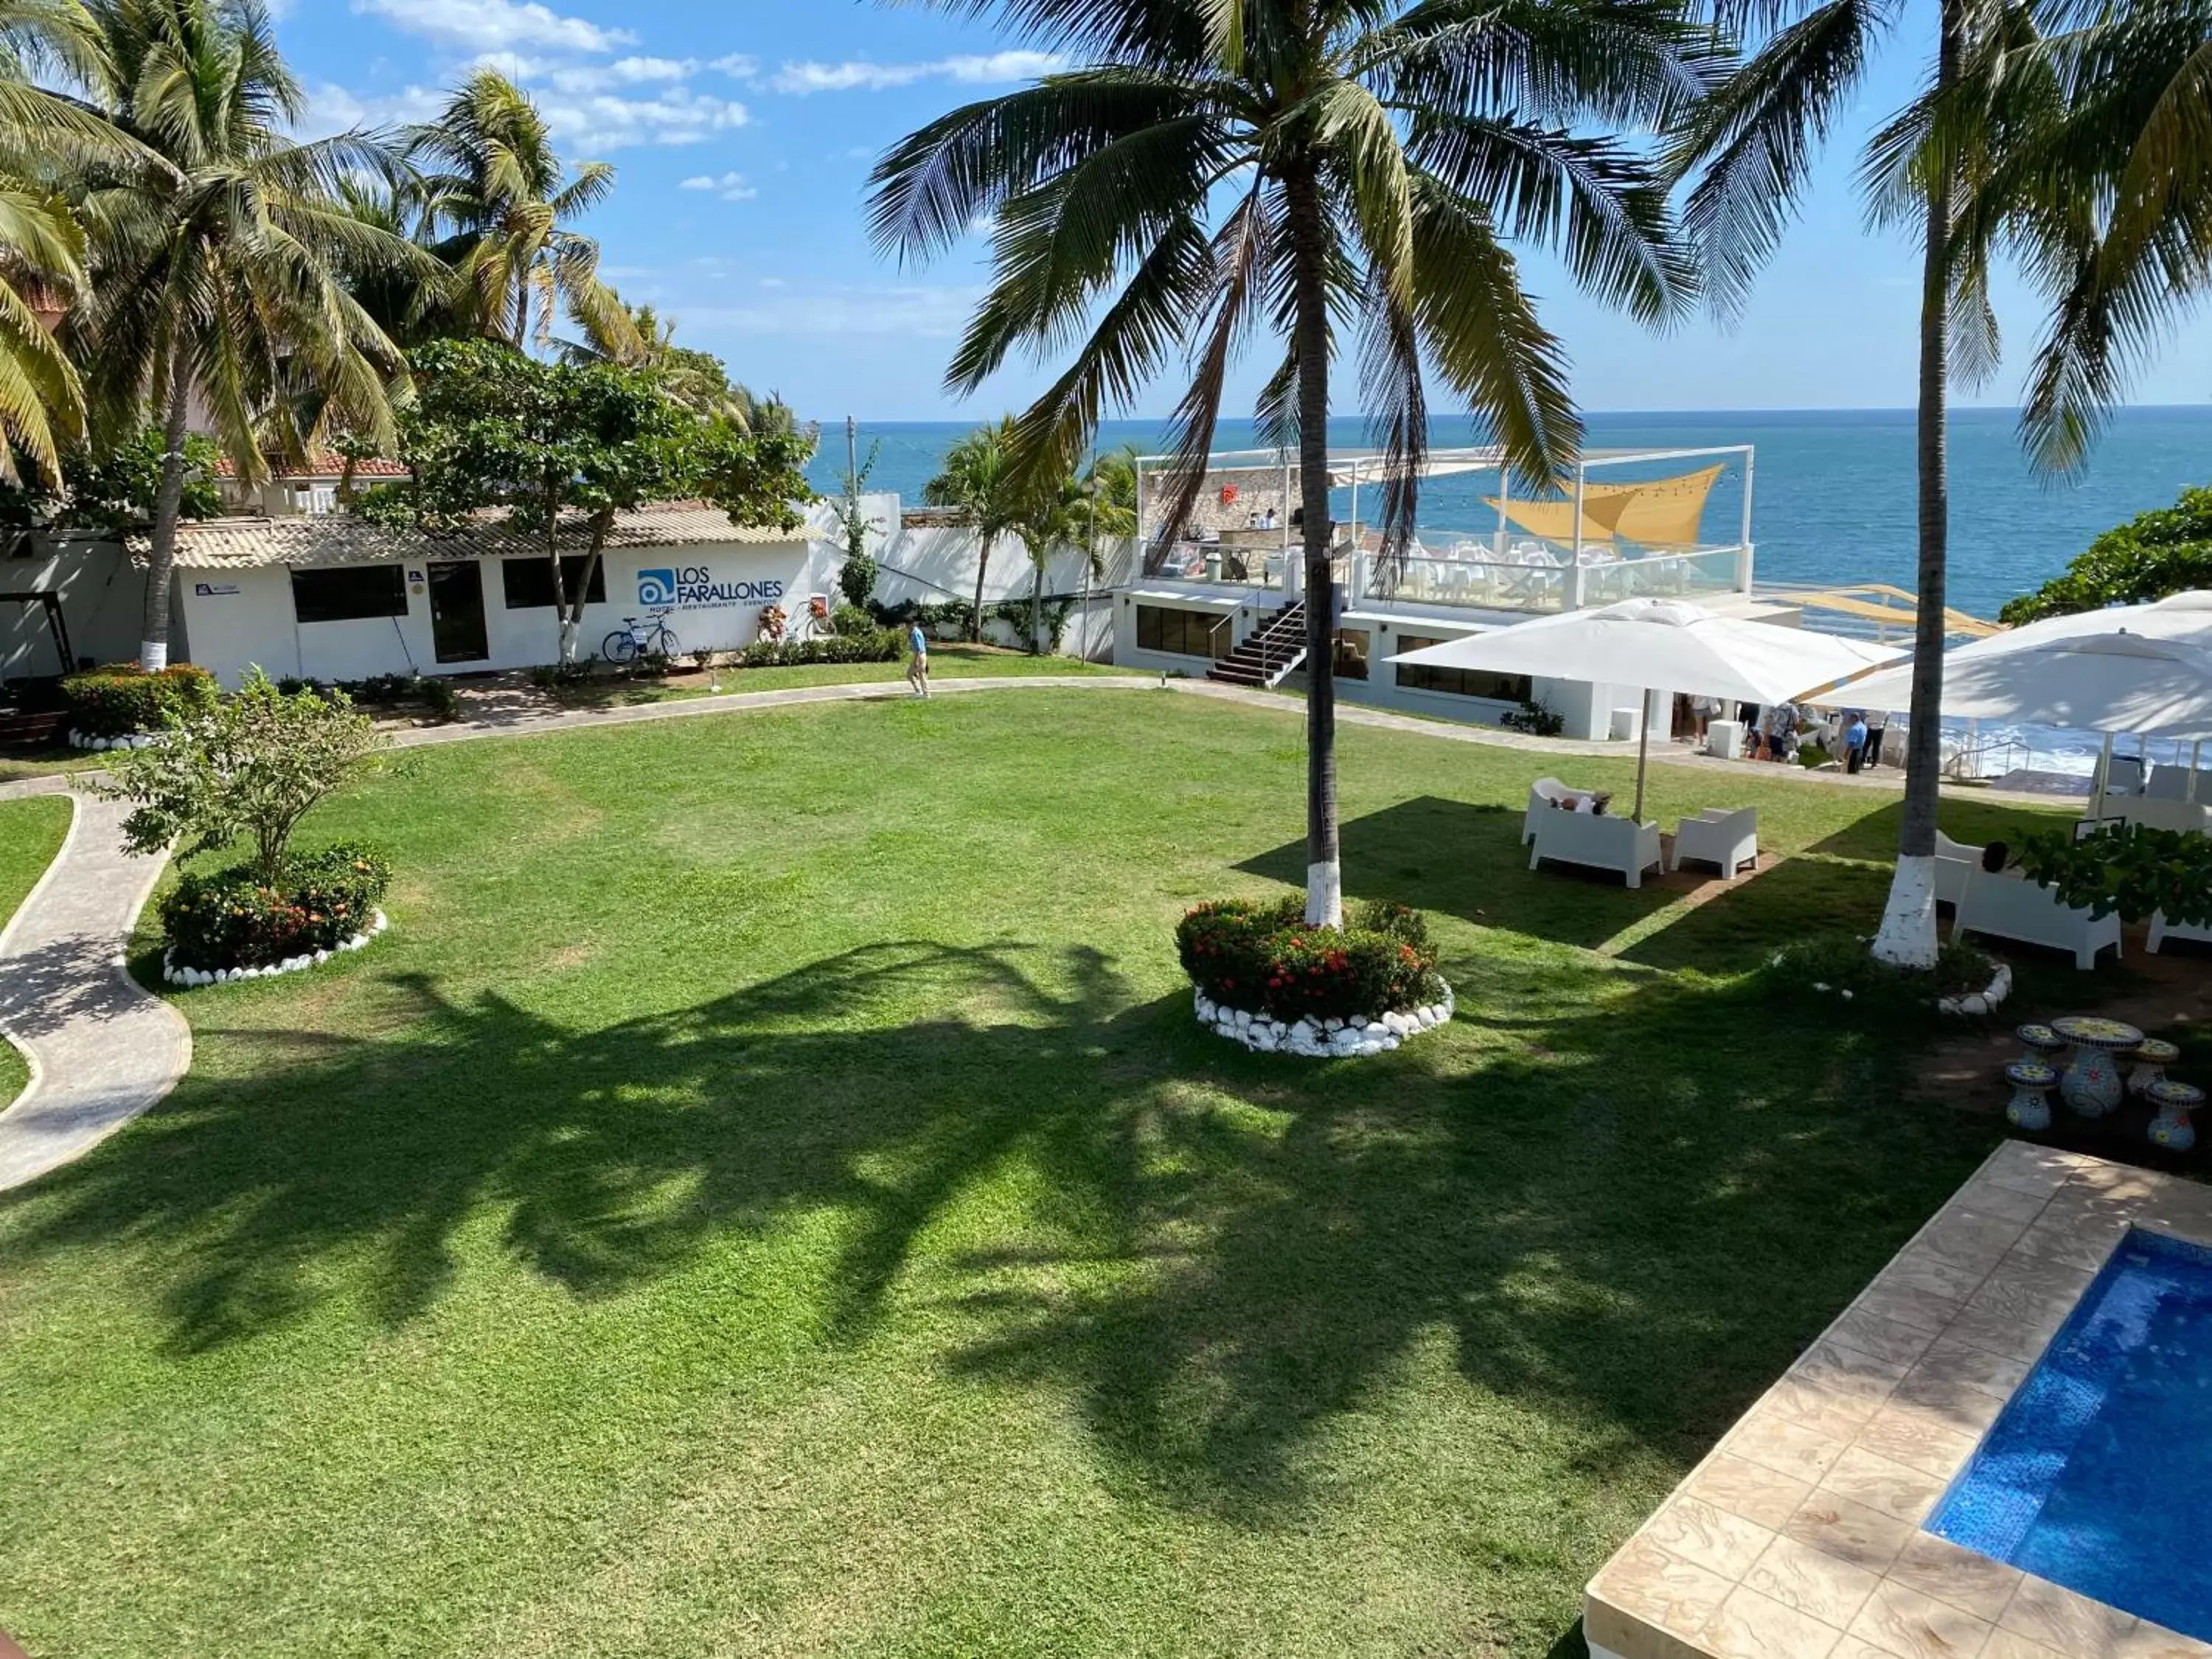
[{"x": 101, "y": 1049}]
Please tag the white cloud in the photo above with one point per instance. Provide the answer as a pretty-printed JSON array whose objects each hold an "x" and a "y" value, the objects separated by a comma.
[
  {"x": 973, "y": 68},
  {"x": 730, "y": 186},
  {"x": 738, "y": 65},
  {"x": 333, "y": 108},
  {"x": 677, "y": 115},
  {"x": 495, "y": 24}
]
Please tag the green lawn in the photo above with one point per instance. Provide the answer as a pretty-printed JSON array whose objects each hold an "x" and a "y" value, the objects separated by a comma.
[
  {"x": 767, "y": 1195},
  {"x": 31, "y": 832}
]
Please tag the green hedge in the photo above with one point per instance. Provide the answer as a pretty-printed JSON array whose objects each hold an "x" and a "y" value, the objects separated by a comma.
[
  {"x": 1265, "y": 958},
  {"x": 877, "y": 644},
  {"x": 229, "y": 920},
  {"x": 123, "y": 698}
]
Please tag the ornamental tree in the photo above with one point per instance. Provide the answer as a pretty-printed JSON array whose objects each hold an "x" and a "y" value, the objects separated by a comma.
[
  {"x": 248, "y": 769},
  {"x": 2165, "y": 550},
  {"x": 560, "y": 447},
  {"x": 2129, "y": 868}
]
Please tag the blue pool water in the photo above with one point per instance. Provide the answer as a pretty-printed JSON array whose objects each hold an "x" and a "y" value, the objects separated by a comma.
[{"x": 2098, "y": 1474}]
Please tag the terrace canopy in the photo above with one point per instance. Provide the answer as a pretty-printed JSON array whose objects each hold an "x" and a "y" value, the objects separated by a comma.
[{"x": 1664, "y": 645}]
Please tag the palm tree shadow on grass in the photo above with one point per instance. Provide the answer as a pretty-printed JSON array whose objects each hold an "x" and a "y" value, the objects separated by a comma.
[{"x": 1221, "y": 1254}]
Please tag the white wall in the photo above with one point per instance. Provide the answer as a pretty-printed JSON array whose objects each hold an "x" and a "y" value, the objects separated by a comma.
[
  {"x": 237, "y": 618},
  {"x": 102, "y": 601}
]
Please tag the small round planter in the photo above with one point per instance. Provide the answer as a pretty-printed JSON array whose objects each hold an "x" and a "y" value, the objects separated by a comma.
[
  {"x": 1326, "y": 1039},
  {"x": 128, "y": 741},
  {"x": 1983, "y": 1001},
  {"x": 176, "y": 976}
]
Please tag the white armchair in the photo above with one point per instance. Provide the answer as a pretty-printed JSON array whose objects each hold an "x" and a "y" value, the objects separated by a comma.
[
  {"x": 1955, "y": 859},
  {"x": 2011, "y": 907},
  {"x": 1728, "y": 839},
  {"x": 1598, "y": 841}
]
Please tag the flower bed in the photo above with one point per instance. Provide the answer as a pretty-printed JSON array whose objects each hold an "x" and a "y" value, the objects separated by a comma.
[
  {"x": 232, "y": 924},
  {"x": 1266, "y": 979}
]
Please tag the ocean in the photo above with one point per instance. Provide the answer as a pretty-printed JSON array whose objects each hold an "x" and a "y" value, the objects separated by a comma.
[{"x": 1832, "y": 495}]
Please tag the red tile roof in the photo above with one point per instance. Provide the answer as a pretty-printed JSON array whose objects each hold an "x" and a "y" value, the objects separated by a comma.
[{"x": 324, "y": 466}]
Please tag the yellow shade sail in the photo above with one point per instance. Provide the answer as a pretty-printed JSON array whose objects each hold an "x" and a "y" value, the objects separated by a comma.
[{"x": 1663, "y": 512}]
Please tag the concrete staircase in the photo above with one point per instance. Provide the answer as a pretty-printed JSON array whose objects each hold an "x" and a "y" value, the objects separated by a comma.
[{"x": 1267, "y": 653}]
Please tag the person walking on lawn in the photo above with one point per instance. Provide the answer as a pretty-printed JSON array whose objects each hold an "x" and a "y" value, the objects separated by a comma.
[{"x": 917, "y": 666}]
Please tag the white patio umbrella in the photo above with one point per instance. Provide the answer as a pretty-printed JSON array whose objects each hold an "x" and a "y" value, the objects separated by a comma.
[
  {"x": 2104, "y": 678},
  {"x": 1664, "y": 645}
]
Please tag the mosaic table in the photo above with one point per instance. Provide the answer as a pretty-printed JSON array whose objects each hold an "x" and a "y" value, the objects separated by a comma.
[{"x": 2090, "y": 1081}]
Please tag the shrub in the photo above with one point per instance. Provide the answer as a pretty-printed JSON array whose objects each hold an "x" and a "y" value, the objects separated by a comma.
[
  {"x": 851, "y": 619},
  {"x": 440, "y": 698},
  {"x": 1265, "y": 958},
  {"x": 2132, "y": 868},
  {"x": 873, "y": 645},
  {"x": 948, "y": 620},
  {"x": 248, "y": 768},
  {"x": 233, "y": 919},
  {"x": 856, "y": 577},
  {"x": 560, "y": 675},
  {"x": 123, "y": 698},
  {"x": 1534, "y": 719}
]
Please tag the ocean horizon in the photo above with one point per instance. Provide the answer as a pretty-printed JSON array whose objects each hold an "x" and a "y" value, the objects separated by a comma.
[{"x": 1832, "y": 498}]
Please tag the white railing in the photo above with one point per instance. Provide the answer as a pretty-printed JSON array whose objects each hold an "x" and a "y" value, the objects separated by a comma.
[{"x": 1531, "y": 578}]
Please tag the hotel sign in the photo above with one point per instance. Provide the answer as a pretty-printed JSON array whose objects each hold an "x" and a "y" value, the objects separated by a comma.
[{"x": 695, "y": 587}]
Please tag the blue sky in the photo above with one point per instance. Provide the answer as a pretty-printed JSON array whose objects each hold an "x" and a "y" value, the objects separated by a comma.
[{"x": 743, "y": 132}]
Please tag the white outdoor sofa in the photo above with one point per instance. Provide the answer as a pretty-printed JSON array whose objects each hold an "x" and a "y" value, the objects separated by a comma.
[
  {"x": 1600, "y": 842},
  {"x": 2180, "y": 816},
  {"x": 1730, "y": 839},
  {"x": 1954, "y": 861},
  {"x": 2028, "y": 913}
]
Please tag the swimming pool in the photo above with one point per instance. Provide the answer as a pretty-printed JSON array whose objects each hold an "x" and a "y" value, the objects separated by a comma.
[{"x": 2098, "y": 1475}]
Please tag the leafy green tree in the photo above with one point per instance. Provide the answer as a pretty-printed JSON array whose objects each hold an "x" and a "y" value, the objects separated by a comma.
[
  {"x": 2165, "y": 550},
  {"x": 116, "y": 488},
  {"x": 978, "y": 479},
  {"x": 501, "y": 208},
  {"x": 856, "y": 577},
  {"x": 249, "y": 769},
  {"x": 1298, "y": 167},
  {"x": 217, "y": 276},
  {"x": 552, "y": 444}
]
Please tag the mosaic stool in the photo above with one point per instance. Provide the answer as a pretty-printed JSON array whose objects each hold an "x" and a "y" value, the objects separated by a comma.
[
  {"x": 2152, "y": 1057},
  {"x": 2032, "y": 1081},
  {"x": 2171, "y": 1128},
  {"x": 2038, "y": 1042}
]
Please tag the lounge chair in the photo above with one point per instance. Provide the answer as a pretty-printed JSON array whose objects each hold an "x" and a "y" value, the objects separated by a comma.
[
  {"x": 1597, "y": 842},
  {"x": 1728, "y": 839},
  {"x": 2011, "y": 907}
]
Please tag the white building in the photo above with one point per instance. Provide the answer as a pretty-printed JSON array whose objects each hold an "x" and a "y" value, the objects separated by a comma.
[
  {"x": 1226, "y": 598},
  {"x": 332, "y": 596}
]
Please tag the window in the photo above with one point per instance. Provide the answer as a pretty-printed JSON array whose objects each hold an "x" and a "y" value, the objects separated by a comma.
[
  {"x": 1352, "y": 652},
  {"x": 1183, "y": 633},
  {"x": 1460, "y": 682},
  {"x": 349, "y": 593},
  {"x": 529, "y": 583}
]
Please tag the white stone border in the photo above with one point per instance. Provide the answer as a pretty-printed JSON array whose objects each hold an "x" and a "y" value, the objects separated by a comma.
[
  {"x": 176, "y": 976},
  {"x": 1320, "y": 1039},
  {"x": 1983, "y": 1001},
  {"x": 128, "y": 741}
]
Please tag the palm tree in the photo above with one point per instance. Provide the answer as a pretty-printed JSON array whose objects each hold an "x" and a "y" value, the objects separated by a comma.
[
  {"x": 42, "y": 247},
  {"x": 1055, "y": 516},
  {"x": 978, "y": 478},
  {"x": 502, "y": 205},
  {"x": 2020, "y": 141},
  {"x": 217, "y": 257},
  {"x": 1291, "y": 166}
]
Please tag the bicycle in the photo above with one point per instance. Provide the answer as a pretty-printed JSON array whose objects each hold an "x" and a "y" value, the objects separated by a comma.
[{"x": 630, "y": 641}]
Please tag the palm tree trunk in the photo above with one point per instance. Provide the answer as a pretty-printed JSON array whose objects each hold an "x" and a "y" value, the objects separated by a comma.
[
  {"x": 1036, "y": 610},
  {"x": 982, "y": 565},
  {"x": 1908, "y": 935},
  {"x": 168, "y": 507},
  {"x": 1324, "y": 870}
]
